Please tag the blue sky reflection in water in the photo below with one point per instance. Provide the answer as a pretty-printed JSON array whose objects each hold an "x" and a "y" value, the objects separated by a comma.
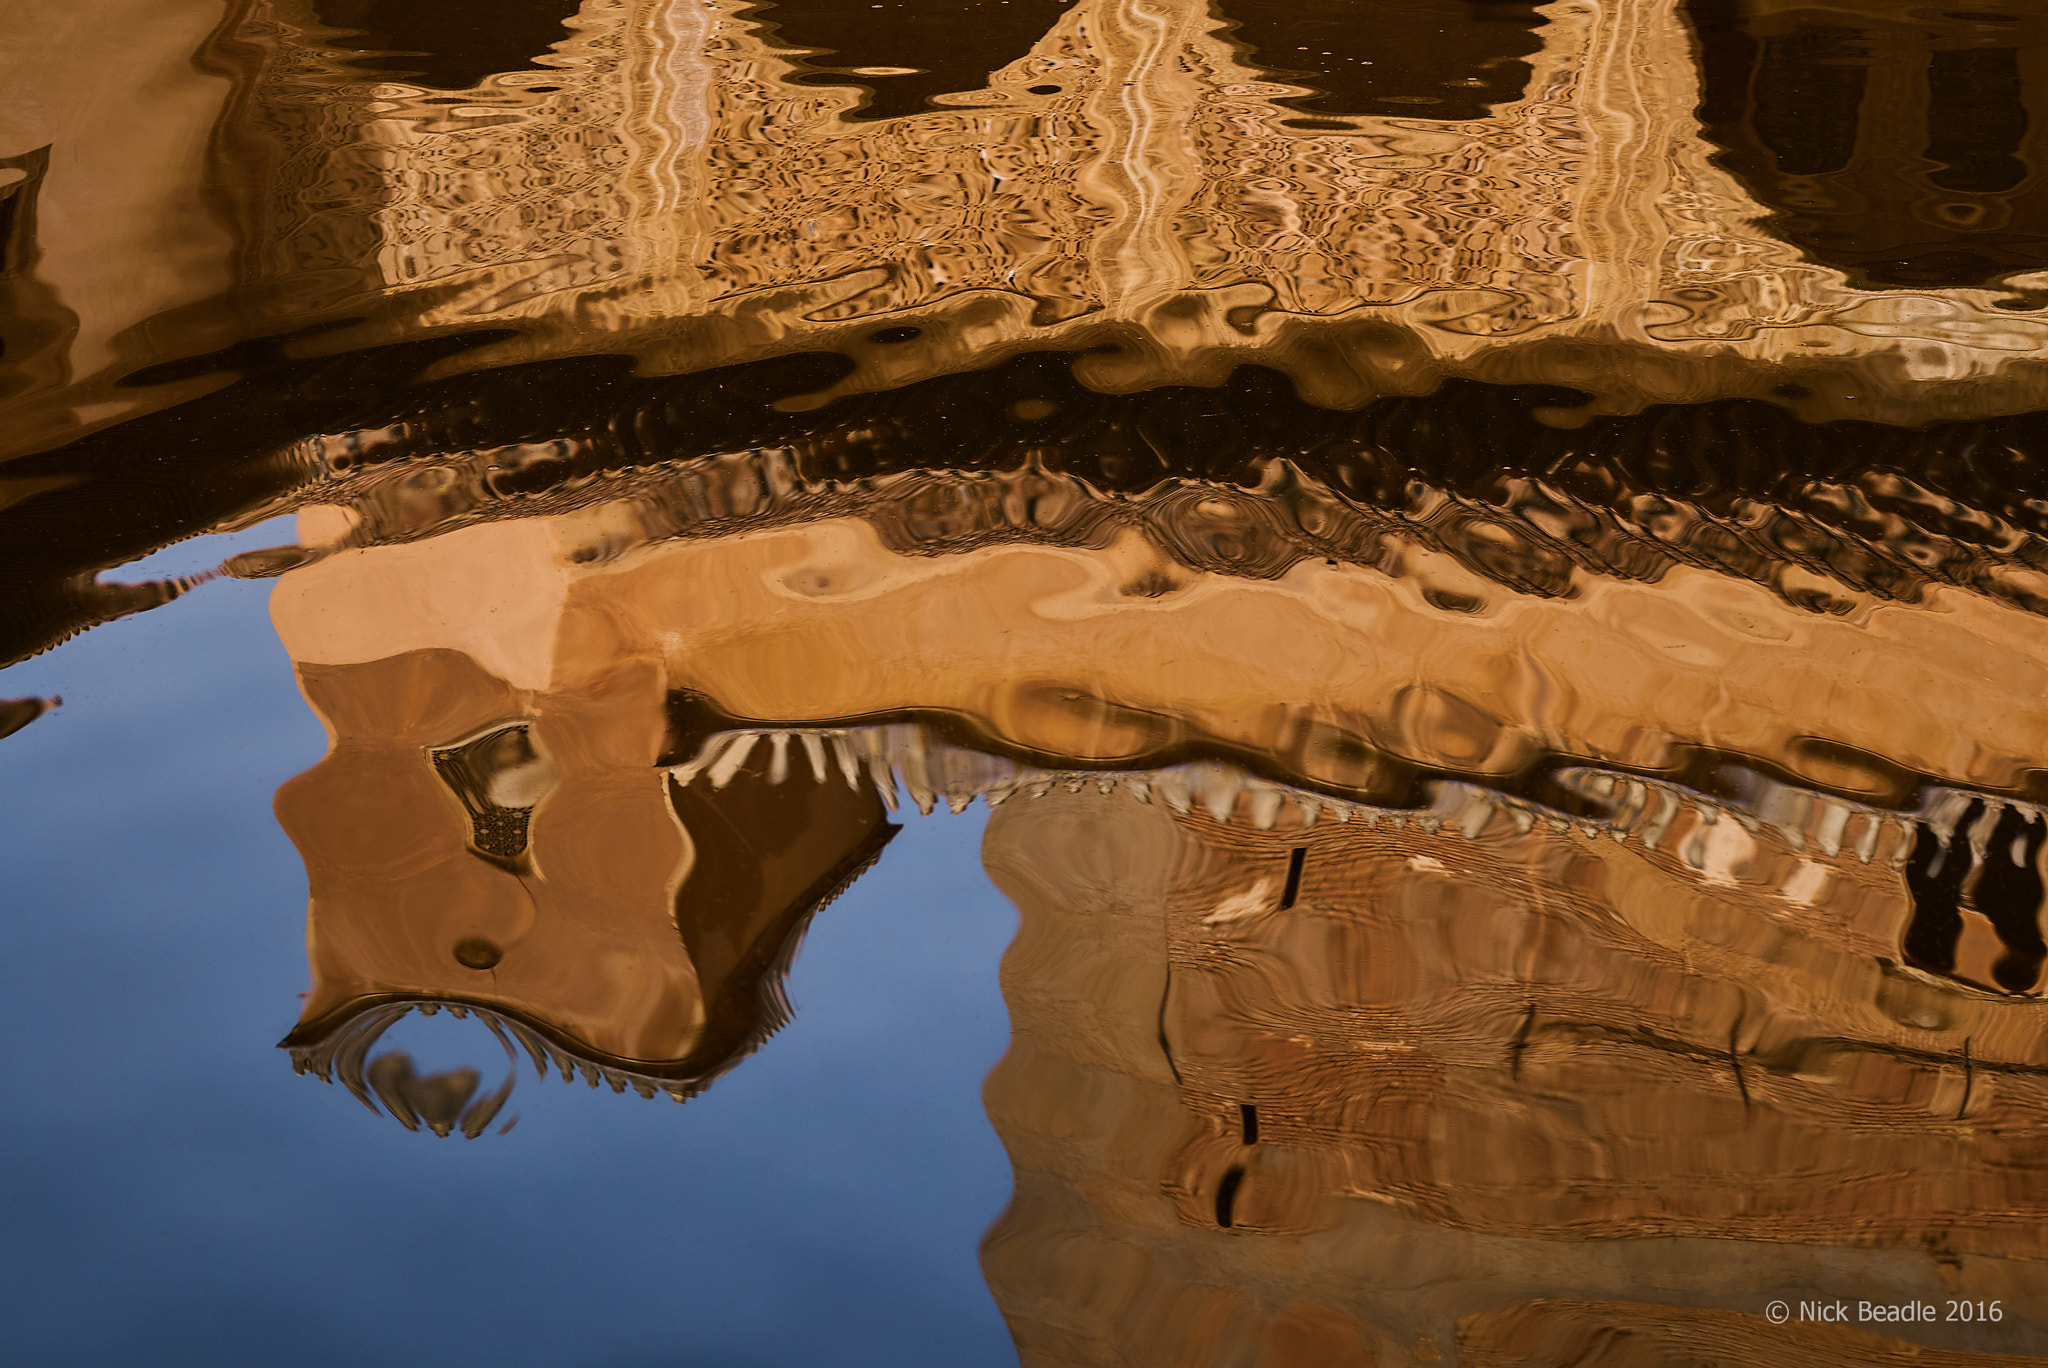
[{"x": 177, "y": 1195}]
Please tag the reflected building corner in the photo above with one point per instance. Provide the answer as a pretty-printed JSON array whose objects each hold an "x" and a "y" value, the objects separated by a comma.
[{"x": 513, "y": 848}]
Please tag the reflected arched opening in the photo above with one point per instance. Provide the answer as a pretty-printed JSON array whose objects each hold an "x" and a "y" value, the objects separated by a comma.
[
  {"x": 906, "y": 51},
  {"x": 1415, "y": 59},
  {"x": 445, "y": 44},
  {"x": 1893, "y": 143}
]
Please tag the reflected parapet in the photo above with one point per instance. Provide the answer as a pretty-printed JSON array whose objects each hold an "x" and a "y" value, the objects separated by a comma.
[
  {"x": 1132, "y": 182},
  {"x": 1244, "y": 478},
  {"x": 606, "y": 219},
  {"x": 1001, "y": 660}
]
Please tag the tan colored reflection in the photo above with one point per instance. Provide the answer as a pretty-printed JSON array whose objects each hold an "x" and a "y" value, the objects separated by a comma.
[
  {"x": 1336, "y": 1039},
  {"x": 529, "y": 681},
  {"x": 1158, "y": 201},
  {"x": 1483, "y": 1094},
  {"x": 660, "y": 183},
  {"x": 110, "y": 233},
  {"x": 492, "y": 833},
  {"x": 1335, "y": 676}
]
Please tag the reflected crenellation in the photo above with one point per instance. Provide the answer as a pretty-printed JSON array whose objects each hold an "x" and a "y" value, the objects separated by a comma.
[{"x": 1242, "y": 479}]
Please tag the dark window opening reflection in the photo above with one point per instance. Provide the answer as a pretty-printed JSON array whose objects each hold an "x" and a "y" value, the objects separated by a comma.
[
  {"x": 1226, "y": 1196},
  {"x": 498, "y": 777},
  {"x": 2002, "y": 882},
  {"x": 2009, "y": 892},
  {"x": 1295, "y": 863},
  {"x": 1416, "y": 59},
  {"x": 445, "y": 44},
  {"x": 1895, "y": 147},
  {"x": 1975, "y": 120},
  {"x": 1808, "y": 98},
  {"x": 1934, "y": 879},
  {"x": 907, "y": 51}
]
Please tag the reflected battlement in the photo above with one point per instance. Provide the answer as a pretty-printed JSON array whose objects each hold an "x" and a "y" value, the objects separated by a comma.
[
  {"x": 1243, "y": 478},
  {"x": 592, "y": 712}
]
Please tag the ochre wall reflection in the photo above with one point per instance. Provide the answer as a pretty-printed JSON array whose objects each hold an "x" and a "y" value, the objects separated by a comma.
[
  {"x": 1903, "y": 734},
  {"x": 1497, "y": 1097},
  {"x": 489, "y": 830},
  {"x": 1464, "y": 913},
  {"x": 1399, "y": 951},
  {"x": 111, "y": 235},
  {"x": 671, "y": 179},
  {"x": 1134, "y": 179},
  {"x": 1342, "y": 671}
]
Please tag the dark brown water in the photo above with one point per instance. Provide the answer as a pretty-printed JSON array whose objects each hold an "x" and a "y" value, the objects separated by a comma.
[{"x": 1244, "y": 684}]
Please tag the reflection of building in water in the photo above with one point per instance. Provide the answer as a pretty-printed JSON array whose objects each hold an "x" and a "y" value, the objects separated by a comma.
[
  {"x": 1897, "y": 141},
  {"x": 688, "y": 182},
  {"x": 1651, "y": 935},
  {"x": 1165, "y": 632},
  {"x": 1486, "y": 1091},
  {"x": 671, "y": 181},
  {"x": 489, "y": 831}
]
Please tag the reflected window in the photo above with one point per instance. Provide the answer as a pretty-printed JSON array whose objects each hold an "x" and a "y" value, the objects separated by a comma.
[
  {"x": 499, "y": 777},
  {"x": 1807, "y": 97},
  {"x": 2002, "y": 882},
  {"x": 1975, "y": 120}
]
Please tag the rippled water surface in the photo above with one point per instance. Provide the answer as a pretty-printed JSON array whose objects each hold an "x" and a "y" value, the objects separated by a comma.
[{"x": 1220, "y": 683}]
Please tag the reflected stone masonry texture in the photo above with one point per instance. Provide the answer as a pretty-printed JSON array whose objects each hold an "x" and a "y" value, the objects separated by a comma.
[{"x": 1491, "y": 566}]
